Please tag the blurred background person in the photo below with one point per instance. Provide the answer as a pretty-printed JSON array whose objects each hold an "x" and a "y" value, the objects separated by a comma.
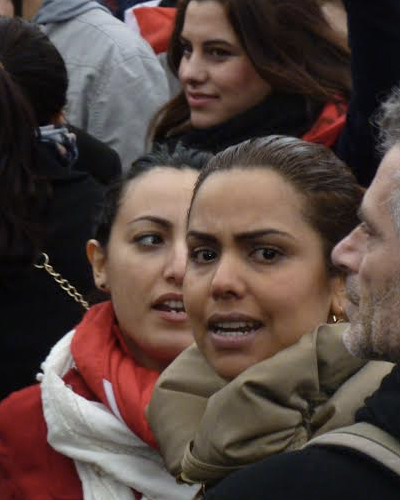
[
  {"x": 116, "y": 82},
  {"x": 254, "y": 68},
  {"x": 263, "y": 67},
  {"x": 47, "y": 205}
]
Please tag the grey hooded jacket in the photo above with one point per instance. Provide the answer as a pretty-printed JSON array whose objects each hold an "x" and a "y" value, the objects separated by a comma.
[{"x": 116, "y": 82}]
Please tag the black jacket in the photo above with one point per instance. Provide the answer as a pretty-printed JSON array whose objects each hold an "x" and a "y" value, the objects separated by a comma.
[
  {"x": 374, "y": 39},
  {"x": 320, "y": 472},
  {"x": 96, "y": 158},
  {"x": 35, "y": 312}
]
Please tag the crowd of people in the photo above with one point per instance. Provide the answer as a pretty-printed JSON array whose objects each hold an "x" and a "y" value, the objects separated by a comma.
[{"x": 200, "y": 249}]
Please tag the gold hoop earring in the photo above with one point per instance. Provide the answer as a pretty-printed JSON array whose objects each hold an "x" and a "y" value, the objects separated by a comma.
[{"x": 338, "y": 319}]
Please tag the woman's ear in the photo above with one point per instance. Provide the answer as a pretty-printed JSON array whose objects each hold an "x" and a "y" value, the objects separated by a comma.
[{"x": 97, "y": 259}]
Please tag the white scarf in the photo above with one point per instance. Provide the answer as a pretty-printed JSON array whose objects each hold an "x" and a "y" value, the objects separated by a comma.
[{"x": 109, "y": 457}]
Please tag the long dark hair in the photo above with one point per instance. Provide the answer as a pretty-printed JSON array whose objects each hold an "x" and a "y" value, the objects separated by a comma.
[
  {"x": 330, "y": 190},
  {"x": 33, "y": 85},
  {"x": 290, "y": 43}
]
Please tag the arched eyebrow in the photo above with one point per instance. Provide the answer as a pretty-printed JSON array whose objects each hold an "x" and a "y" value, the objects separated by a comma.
[
  {"x": 240, "y": 237},
  {"x": 151, "y": 218},
  {"x": 210, "y": 42},
  {"x": 260, "y": 233},
  {"x": 198, "y": 235}
]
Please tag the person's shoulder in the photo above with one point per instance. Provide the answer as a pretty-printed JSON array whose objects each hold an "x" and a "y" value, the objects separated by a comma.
[
  {"x": 22, "y": 424},
  {"x": 21, "y": 413},
  {"x": 29, "y": 466},
  {"x": 313, "y": 473},
  {"x": 115, "y": 34}
]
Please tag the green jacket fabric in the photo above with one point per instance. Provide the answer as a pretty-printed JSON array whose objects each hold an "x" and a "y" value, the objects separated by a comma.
[{"x": 208, "y": 427}]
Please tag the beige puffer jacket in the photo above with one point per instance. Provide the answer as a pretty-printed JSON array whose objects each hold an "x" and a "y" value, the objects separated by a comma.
[{"x": 208, "y": 427}]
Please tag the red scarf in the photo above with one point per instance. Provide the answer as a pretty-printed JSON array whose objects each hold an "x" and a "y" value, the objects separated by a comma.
[
  {"x": 156, "y": 25},
  {"x": 110, "y": 371},
  {"x": 329, "y": 124}
]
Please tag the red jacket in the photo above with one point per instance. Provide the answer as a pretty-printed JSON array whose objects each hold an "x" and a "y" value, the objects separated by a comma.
[{"x": 29, "y": 467}]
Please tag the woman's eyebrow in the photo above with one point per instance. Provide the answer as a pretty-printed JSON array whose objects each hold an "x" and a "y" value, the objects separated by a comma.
[
  {"x": 259, "y": 233},
  {"x": 247, "y": 235},
  {"x": 208, "y": 42},
  {"x": 218, "y": 41},
  {"x": 198, "y": 235},
  {"x": 151, "y": 218}
]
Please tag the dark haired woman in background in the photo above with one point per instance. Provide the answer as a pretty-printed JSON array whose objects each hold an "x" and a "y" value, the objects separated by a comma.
[
  {"x": 260, "y": 67},
  {"x": 252, "y": 68}
]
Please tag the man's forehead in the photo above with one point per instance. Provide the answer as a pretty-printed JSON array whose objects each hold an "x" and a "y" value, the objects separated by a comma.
[
  {"x": 389, "y": 169},
  {"x": 387, "y": 179}
]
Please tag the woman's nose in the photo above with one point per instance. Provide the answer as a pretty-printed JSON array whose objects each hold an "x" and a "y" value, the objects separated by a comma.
[
  {"x": 192, "y": 69},
  {"x": 176, "y": 264},
  {"x": 227, "y": 282}
]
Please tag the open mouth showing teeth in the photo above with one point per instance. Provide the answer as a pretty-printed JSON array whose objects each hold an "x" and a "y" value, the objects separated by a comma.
[
  {"x": 234, "y": 328},
  {"x": 171, "y": 306}
]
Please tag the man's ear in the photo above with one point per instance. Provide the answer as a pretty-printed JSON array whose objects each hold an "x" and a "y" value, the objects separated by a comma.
[
  {"x": 338, "y": 298},
  {"x": 97, "y": 259}
]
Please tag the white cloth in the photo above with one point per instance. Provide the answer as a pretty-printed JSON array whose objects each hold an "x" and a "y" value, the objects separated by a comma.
[{"x": 109, "y": 457}]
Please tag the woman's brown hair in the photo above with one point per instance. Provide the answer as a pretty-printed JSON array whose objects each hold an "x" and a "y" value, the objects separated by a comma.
[
  {"x": 290, "y": 43},
  {"x": 331, "y": 193}
]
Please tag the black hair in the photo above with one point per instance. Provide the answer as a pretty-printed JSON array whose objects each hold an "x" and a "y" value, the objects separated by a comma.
[
  {"x": 180, "y": 158},
  {"x": 35, "y": 66}
]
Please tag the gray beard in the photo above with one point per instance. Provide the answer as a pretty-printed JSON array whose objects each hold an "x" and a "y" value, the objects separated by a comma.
[{"x": 374, "y": 332}]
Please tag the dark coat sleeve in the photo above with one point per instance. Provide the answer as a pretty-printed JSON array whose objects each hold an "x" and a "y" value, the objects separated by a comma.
[
  {"x": 374, "y": 38},
  {"x": 96, "y": 158},
  {"x": 315, "y": 473}
]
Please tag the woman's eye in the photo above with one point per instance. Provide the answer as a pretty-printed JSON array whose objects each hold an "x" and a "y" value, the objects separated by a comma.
[
  {"x": 266, "y": 255},
  {"x": 186, "y": 49},
  {"x": 149, "y": 240},
  {"x": 202, "y": 255},
  {"x": 219, "y": 53}
]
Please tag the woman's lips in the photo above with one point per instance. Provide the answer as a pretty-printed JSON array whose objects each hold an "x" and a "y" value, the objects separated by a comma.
[
  {"x": 233, "y": 331},
  {"x": 232, "y": 343},
  {"x": 170, "y": 308},
  {"x": 197, "y": 100},
  {"x": 173, "y": 316}
]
